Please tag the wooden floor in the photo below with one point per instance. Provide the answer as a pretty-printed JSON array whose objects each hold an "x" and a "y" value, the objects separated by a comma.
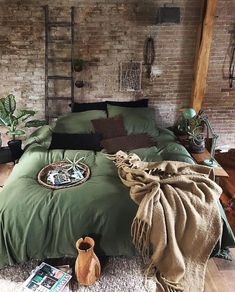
[{"x": 220, "y": 274}]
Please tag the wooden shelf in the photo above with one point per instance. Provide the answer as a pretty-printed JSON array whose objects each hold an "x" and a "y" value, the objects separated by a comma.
[{"x": 200, "y": 157}]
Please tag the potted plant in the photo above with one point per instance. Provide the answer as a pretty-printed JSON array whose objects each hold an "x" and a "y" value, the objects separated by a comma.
[
  {"x": 196, "y": 133},
  {"x": 78, "y": 64},
  {"x": 14, "y": 123}
]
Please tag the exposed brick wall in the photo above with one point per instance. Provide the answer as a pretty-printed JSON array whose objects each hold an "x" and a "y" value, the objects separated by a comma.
[
  {"x": 220, "y": 100},
  {"x": 109, "y": 32}
]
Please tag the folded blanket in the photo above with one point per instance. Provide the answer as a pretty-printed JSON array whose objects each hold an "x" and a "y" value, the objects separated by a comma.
[{"x": 177, "y": 223}]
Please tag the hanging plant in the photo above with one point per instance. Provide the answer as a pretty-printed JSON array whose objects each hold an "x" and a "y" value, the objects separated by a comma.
[{"x": 78, "y": 65}]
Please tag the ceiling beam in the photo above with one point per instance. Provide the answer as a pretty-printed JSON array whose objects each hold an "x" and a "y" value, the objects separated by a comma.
[{"x": 203, "y": 54}]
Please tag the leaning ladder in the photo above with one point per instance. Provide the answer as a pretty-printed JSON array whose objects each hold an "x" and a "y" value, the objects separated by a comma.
[{"x": 49, "y": 113}]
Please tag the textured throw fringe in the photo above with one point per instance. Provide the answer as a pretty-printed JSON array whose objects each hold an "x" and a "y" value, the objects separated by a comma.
[
  {"x": 121, "y": 159},
  {"x": 169, "y": 286},
  {"x": 140, "y": 232},
  {"x": 161, "y": 282}
]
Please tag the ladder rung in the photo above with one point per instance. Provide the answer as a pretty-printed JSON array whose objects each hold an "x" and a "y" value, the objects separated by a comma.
[
  {"x": 61, "y": 24},
  {"x": 60, "y": 60},
  {"x": 59, "y": 97},
  {"x": 59, "y": 77},
  {"x": 59, "y": 41}
]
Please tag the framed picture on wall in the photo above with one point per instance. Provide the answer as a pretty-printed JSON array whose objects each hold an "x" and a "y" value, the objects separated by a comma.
[{"x": 130, "y": 76}]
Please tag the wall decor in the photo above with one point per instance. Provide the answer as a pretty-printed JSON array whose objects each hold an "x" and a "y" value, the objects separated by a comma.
[
  {"x": 231, "y": 69},
  {"x": 149, "y": 55},
  {"x": 130, "y": 76}
]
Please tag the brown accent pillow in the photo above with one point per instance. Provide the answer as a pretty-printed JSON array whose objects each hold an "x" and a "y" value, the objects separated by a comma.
[
  {"x": 126, "y": 143},
  {"x": 110, "y": 127}
]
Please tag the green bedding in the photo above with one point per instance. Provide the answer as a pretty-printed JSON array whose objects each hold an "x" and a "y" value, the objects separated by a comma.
[{"x": 38, "y": 222}]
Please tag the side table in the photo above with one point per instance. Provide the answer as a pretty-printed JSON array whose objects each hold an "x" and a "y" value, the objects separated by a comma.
[{"x": 200, "y": 157}]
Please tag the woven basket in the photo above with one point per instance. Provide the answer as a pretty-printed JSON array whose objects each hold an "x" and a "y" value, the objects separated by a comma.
[{"x": 42, "y": 175}]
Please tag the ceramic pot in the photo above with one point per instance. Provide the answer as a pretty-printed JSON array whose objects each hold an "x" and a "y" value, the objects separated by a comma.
[
  {"x": 87, "y": 265},
  {"x": 197, "y": 146},
  {"x": 79, "y": 83},
  {"x": 15, "y": 147},
  {"x": 78, "y": 67}
]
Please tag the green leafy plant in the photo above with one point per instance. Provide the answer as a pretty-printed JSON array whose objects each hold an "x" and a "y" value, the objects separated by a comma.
[
  {"x": 196, "y": 133},
  {"x": 16, "y": 121},
  {"x": 196, "y": 127},
  {"x": 78, "y": 64}
]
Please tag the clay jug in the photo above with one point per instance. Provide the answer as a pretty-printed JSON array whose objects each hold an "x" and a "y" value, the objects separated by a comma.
[{"x": 87, "y": 265}]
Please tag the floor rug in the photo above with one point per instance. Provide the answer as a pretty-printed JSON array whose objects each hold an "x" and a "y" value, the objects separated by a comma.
[{"x": 119, "y": 274}]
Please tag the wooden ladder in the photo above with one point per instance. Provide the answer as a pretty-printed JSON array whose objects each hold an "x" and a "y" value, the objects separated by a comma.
[{"x": 49, "y": 112}]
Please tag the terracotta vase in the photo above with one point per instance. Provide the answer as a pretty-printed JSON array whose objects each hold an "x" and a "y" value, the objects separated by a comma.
[{"x": 87, "y": 265}]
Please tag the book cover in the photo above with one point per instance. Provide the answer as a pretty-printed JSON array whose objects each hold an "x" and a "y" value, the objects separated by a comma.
[{"x": 46, "y": 278}]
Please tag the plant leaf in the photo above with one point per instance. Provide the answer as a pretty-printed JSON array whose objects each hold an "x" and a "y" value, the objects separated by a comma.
[
  {"x": 16, "y": 132},
  {"x": 10, "y": 104},
  {"x": 4, "y": 118},
  {"x": 25, "y": 114},
  {"x": 35, "y": 123}
]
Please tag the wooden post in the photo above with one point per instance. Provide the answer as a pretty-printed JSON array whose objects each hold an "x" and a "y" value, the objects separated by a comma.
[{"x": 202, "y": 55}]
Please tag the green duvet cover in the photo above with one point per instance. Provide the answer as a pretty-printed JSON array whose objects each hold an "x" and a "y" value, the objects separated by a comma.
[{"x": 38, "y": 222}]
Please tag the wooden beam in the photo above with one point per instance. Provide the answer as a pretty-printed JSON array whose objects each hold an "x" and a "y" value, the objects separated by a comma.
[{"x": 203, "y": 54}]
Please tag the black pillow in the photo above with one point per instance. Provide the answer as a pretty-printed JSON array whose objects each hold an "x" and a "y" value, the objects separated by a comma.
[
  {"x": 135, "y": 103},
  {"x": 82, "y": 141},
  {"x": 83, "y": 107}
]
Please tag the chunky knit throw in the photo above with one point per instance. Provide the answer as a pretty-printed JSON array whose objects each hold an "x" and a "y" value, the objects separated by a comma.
[{"x": 177, "y": 223}]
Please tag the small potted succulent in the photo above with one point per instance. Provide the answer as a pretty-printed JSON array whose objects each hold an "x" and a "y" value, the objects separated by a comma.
[{"x": 14, "y": 122}]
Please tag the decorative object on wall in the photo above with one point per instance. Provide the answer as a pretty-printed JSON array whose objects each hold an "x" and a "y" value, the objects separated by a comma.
[
  {"x": 149, "y": 55},
  {"x": 168, "y": 15},
  {"x": 130, "y": 76},
  {"x": 231, "y": 68}
]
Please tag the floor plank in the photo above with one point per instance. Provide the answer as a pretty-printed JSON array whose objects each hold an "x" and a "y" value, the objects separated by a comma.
[{"x": 220, "y": 275}]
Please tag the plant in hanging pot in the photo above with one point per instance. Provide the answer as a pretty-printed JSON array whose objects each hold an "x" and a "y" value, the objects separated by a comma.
[
  {"x": 14, "y": 122},
  {"x": 78, "y": 64}
]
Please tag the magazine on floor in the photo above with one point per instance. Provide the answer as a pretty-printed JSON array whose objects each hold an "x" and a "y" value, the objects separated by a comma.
[{"x": 46, "y": 278}]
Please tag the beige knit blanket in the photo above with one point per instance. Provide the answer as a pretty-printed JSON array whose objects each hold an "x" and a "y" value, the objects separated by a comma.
[{"x": 177, "y": 223}]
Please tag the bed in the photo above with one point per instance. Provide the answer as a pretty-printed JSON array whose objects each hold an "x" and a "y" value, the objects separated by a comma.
[{"x": 39, "y": 222}]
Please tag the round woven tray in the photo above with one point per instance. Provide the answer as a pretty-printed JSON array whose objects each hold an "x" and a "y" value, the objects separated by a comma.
[{"x": 42, "y": 175}]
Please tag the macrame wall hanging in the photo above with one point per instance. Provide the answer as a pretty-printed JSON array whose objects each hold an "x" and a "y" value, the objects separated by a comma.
[
  {"x": 130, "y": 76},
  {"x": 149, "y": 55}
]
